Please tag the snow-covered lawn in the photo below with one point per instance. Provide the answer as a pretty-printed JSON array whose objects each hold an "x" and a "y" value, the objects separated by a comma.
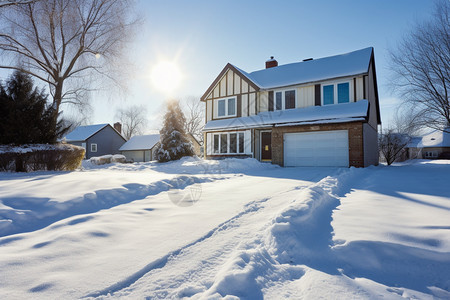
[{"x": 230, "y": 228}]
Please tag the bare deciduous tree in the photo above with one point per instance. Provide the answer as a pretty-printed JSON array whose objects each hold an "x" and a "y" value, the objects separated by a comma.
[
  {"x": 405, "y": 121},
  {"x": 392, "y": 144},
  {"x": 133, "y": 119},
  {"x": 5, "y": 3},
  {"x": 421, "y": 66},
  {"x": 194, "y": 111},
  {"x": 67, "y": 44}
]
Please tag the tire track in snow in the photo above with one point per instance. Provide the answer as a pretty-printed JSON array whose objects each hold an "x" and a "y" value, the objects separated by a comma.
[
  {"x": 228, "y": 248},
  {"x": 249, "y": 208}
]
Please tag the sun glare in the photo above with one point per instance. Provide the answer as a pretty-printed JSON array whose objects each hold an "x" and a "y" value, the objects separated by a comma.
[{"x": 166, "y": 77}]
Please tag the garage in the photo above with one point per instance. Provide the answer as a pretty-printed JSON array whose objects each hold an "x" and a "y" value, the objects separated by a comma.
[{"x": 316, "y": 149}]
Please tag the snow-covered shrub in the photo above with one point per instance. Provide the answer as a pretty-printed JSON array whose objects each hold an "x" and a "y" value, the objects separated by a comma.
[
  {"x": 119, "y": 158},
  {"x": 37, "y": 157},
  {"x": 101, "y": 160},
  {"x": 174, "y": 143},
  {"x": 107, "y": 159}
]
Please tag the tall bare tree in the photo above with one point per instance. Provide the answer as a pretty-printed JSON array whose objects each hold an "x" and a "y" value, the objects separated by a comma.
[
  {"x": 67, "y": 44},
  {"x": 133, "y": 119},
  {"x": 194, "y": 111},
  {"x": 421, "y": 67}
]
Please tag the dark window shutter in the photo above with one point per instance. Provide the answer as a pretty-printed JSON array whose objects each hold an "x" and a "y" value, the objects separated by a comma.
[
  {"x": 271, "y": 101},
  {"x": 364, "y": 87},
  {"x": 317, "y": 94},
  {"x": 239, "y": 106}
]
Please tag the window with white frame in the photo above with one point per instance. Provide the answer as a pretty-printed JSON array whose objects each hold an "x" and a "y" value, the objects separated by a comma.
[
  {"x": 226, "y": 107},
  {"x": 336, "y": 93},
  {"x": 228, "y": 143},
  {"x": 93, "y": 147},
  {"x": 285, "y": 99},
  {"x": 431, "y": 154}
]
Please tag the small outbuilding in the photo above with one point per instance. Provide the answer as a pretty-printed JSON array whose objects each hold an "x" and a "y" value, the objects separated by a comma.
[
  {"x": 97, "y": 140},
  {"x": 141, "y": 148}
]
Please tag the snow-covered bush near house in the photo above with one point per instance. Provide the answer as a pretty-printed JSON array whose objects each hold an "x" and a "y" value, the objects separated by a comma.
[
  {"x": 107, "y": 159},
  {"x": 119, "y": 158},
  {"x": 256, "y": 231}
]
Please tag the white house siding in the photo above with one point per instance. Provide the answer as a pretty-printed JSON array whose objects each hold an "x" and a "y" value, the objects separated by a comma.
[
  {"x": 263, "y": 101},
  {"x": 370, "y": 140},
  {"x": 244, "y": 104},
  {"x": 208, "y": 110},
  {"x": 252, "y": 104},
  {"x": 223, "y": 87},
  {"x": 305, "y": 96},
  {"x": 244, "y": 87},
  {"x": 216, "y": 92},
  {"x": 237, "y": 84},
  {"x": 230, "y": 82},
  {"x": 359, "y": 88}
]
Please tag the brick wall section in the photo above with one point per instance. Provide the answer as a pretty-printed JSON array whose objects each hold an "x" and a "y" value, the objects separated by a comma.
[{"x": 355, "y": 136}]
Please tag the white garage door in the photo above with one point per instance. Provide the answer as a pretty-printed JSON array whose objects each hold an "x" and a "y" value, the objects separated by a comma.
[
  {"x": 322, "y": 149},
  {"x": 136, "y": 156}
]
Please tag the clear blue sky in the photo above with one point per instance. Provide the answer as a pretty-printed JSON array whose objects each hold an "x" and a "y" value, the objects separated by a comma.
[{"x": 202, "y": 36}]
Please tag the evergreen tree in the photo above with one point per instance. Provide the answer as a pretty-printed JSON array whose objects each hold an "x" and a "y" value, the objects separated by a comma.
[
  {"x": 174, "y": 143},
  {"x": 26, "y": 119}
]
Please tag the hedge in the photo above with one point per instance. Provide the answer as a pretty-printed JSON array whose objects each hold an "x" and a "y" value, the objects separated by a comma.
[{"x": 38, "y": 157}]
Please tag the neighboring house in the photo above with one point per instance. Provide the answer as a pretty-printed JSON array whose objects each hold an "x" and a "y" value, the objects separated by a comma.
[
  {"x": 318, "y": 112},
  {"x": 97, "y": 139},
  {"x": 433, "y": 145},
  {"x": 141, "y": 148}
]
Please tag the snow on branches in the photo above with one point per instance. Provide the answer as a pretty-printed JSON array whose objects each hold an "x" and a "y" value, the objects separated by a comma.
[{"x": 174, "y": 144}]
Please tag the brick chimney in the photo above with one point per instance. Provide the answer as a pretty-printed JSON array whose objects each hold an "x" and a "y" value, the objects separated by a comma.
[
  {"x": 271, "y": 63},
  {"x": 118, "y": 127}
]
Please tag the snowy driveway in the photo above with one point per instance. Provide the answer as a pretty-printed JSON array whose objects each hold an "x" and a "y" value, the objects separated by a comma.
[
  {"x": 255, "y": 231},
  {"x": 112, "y": 247}
]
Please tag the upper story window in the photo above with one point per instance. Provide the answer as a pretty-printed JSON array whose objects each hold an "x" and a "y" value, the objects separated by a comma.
[
  {"x": 336, "y": 93},
  {"x": 285, "y": 99},
  {"x": 226, "y": 107},
  {"x": 93, "y": 147}
]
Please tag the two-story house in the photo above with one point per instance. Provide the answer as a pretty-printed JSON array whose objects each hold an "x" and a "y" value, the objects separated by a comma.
[{"x": 317, "y": 112}]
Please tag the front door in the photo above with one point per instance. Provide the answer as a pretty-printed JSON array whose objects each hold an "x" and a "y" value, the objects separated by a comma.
[{"x": 266, "y": 146}]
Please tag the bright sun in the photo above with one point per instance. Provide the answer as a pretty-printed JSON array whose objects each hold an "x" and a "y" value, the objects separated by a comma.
[{"x": 166, "y": 77}]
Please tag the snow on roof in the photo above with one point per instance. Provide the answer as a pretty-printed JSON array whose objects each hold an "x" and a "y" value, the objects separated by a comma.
[
  {"x": 140, "y": 142},
  {"x": 436, "y": 138},
  {"x": 414, "y": 142},
  {"x": 310, "y": 115},
  {"x": 82, "y": 133},
  {"x": 353, "y": 63}
]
